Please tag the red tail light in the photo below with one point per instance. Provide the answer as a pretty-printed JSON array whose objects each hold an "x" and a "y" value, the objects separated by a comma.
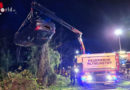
[
  {"x": 38, "y": 28},
  {"x": 1, "y": 5}
]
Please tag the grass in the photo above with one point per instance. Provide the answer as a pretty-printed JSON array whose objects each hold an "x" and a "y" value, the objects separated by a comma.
[
  {"x": 125, "y": 83},
  {"x": 63, "y": 83},
  {"x": 65, "y": 88}
]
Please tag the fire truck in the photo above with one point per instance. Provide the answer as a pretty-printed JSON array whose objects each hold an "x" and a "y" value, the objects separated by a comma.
[
  {"x": 124, "y": 58},
  {"x": 98, "y": 68}
]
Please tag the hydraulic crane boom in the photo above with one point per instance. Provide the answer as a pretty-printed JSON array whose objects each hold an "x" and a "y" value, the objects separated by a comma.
[{"x": 52, "y": 15}]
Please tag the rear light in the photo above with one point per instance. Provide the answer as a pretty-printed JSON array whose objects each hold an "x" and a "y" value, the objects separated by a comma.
[{"x": 38, "y": 28}]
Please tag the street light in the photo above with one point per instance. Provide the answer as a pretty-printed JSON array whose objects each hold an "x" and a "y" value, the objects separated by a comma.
[
  {"x": 77, "y": 51},
  {"x": 118, "y": 32}
]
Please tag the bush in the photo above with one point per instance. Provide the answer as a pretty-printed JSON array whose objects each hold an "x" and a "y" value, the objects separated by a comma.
[
  {"x": 51, "y": 79},
  {"x": 61, "y": 83},
  {"x": 20, "y": 81}
]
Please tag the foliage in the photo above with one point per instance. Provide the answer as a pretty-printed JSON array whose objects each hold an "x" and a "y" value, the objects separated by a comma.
[
  {"x": 20, "y": 81},
  {"x": 2, "y": 73},
  {"x": 51, "y": 79},
  {"x": 5, "y": 58},
  {"x": 42, "y": 61},
  {"x": 54, "y": 58},
  {"x": 61, "y": 82},
  {"x": 32, "y": 57}
]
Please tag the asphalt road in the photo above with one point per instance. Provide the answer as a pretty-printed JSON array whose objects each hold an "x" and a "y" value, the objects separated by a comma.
[
  {"x": 99, "y": 87},
  {"x": 123, "y": 85}
]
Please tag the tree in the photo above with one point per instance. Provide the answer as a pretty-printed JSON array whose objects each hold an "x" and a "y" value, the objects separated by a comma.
[
  {"x": 43, "y": 59},
  {"x": 5, "y": 58},
  {"x": 54, "y": 57}
]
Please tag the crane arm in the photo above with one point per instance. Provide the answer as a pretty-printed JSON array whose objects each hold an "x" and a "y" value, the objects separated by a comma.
[{"x": 52, "y": 15}]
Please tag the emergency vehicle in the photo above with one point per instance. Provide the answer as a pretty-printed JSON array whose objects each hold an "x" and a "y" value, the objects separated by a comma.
[{"x": 98, "y": 68}]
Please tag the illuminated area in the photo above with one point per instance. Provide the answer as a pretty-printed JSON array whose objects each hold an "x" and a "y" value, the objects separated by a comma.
[
  {"x": 77, "y": 51},
  {"x": 76, "y": 70},
  {"x": 87, "y": 78},
  {"x": 114, "y": 77},
  {"x": 118, "y": 32},
  {"x": 83, "y": 78},
  {"x": 38, "y": 28},
  {"x": 111, "y": 77}
]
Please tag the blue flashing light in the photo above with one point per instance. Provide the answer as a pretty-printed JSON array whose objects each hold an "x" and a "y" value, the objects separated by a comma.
[
  {"x": 87, "y": 78},
  {"x": 88, "y": 53},
  {"x": 83, "y": 78},
  {"x": 114, "y": 77},
  {"x": 111, "y": 77}
]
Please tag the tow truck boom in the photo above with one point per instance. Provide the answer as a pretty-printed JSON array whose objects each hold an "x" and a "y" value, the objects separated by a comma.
[{"x": 52, "y": 15}]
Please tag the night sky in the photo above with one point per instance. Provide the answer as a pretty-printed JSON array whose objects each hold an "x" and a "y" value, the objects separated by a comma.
[{"x": 97, "y": 19}]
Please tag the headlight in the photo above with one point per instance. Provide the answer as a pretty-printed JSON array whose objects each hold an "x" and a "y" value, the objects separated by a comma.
[
  {"x": 109, "y": 77},
  {"x": 89, "y": 78},
  {"x": 83, "y": 78},
  {"x": 76, "y": 70}
]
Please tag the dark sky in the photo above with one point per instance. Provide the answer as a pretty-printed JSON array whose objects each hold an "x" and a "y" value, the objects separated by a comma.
[{"x": 97, "y": 19}]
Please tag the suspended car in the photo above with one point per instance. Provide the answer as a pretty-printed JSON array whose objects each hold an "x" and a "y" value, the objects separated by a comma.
[{"x": 34, "y": 31}]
